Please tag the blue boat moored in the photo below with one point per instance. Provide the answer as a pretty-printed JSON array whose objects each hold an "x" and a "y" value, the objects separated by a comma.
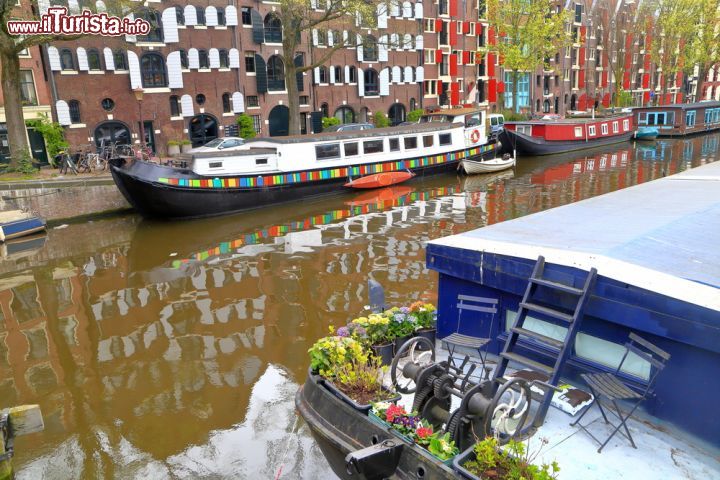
[
  {"x": 646, "y": 133},
  {"x": 658, "y": 275},
  {"x": 16, "y": 223}
]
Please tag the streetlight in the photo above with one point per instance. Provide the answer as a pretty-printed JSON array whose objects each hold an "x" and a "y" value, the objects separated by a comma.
[{"x": 139, "y": 96}]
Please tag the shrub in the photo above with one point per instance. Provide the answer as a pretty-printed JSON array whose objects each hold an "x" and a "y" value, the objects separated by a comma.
[
  {"x": 381, "y": 120},
  {"x": 246, "y": 128},
  {"x": 512, "y": 463},
  {"x": 329, "y": 356},
  {"x": 328, "y": 122},
  {"x": 173, "y": 143},
  {"x": 414, "y": 115},
  {"x": 52, "y": 132},
  {"x": 185, "y": 141}
]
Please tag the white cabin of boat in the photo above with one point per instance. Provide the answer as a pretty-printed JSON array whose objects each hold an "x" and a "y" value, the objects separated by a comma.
[{"x": 437, "y": 133}]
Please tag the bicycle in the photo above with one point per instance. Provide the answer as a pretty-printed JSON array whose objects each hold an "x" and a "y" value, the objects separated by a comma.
[{"x": 65, "y": 163}]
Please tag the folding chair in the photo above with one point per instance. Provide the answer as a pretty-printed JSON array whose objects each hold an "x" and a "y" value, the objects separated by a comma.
[
  {"x": 609, "y": 386},
  {"x": 457, "y": 339}
]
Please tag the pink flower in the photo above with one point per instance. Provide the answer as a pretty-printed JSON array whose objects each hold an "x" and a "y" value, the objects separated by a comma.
[
  {"x": 394, "y": 411},
  {"x": 424, "y": 432}
]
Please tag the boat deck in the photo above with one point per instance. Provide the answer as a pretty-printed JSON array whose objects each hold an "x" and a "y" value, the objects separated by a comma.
[
  {"x": 663, "y": 451},
  {"x": 662, "y": 235}
]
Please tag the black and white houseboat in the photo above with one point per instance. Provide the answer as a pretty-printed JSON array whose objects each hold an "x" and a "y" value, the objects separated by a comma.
[{"x": 284, "y": 169}]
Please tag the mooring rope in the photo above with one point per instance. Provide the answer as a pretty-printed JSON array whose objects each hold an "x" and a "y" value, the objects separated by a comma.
[{"x": 287, "y": 447}]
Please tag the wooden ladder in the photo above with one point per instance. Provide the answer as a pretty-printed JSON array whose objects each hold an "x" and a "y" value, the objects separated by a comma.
[{"x": 571, "y": 320}]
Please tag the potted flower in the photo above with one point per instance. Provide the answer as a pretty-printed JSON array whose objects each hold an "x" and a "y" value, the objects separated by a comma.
[
  {"x": 485, "y": 460},
  {"x": 350, "y": 372},
  {"x": 413, "y": 429},
  {"x": 401, "y": 326},
  {"x": 376, "y": 328},
  {"x": 185, "y": 146},
  {"x": 173, "y": 147},
  {"x": 425, "y": 320}
]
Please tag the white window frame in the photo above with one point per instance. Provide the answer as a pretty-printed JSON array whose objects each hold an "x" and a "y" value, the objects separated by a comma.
[
  {"x": 591, "y": 130},
  {"x": 616, "y": 127},
  {"x": 626, "y": 124},
  {"x": 604, "y": 128},
  {"x": 578, "y": 132}
]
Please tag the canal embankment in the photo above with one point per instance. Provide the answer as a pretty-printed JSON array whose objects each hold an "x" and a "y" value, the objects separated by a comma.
[{"x": 60, "y": 200}]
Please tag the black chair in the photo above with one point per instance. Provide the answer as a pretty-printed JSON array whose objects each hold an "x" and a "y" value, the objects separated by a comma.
[
  {"x": 609, "y": 387},
  {"x": 455, "y": 340}
]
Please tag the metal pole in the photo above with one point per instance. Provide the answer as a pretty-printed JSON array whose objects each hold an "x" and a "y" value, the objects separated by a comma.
[{"x": 142, "y": 125}]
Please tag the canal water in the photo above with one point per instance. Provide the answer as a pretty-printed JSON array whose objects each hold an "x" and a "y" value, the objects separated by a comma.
[{"x": 174, "y": 350}]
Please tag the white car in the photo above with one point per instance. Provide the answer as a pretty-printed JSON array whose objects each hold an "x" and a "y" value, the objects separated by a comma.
[{"x": 220, "y": 144}]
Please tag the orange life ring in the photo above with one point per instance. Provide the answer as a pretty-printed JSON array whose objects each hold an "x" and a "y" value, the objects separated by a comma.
[{"x": 475, "y": 136}]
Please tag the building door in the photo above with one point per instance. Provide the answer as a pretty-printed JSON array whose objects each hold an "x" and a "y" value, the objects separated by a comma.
[
  {"x": 279, "y": 121},
  {"x": 396, "y": 114},
  {"x": 37, "y": 146},
  {"x": 203, "y": 128},
  {"x": 149, "y": 134}
]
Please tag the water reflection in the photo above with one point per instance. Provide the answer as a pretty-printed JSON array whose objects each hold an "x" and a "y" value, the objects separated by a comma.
[{"x": 174, "y": 349}]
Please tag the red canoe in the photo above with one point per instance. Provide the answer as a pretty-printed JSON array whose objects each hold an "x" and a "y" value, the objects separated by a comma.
[{"x": 378, "y": 180}]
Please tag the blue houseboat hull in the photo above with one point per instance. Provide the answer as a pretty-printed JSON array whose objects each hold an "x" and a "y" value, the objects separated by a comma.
[{"x": 675, "y": 304}]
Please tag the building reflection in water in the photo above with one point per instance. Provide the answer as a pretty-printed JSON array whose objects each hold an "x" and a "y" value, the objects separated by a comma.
[{"x": 175, "y": 349}]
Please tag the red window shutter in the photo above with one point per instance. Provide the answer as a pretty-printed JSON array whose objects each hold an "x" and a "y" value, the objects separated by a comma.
[
  {"x": 583, "y": 34},
  {"x": 648, "y": 42},
  {"x": 466, "y": 57},
  {"x": 628, "y": 43},
  {"x": 581, "y": 79},
  {"x": 478, "y": 29},
  {"x": 453, "y": 8},
  {"x": 604, "y": 78},
  {"x": 466, "y": 27},
  {"x": 453, "y": 65},
  {"x": 646, "y": 80},
  {"x": 438, "y": 25},
  {"x": 453, "y": 33},
  {"x": 626, "y": 80},
  {"x": 492, "y": 90},
  {"x": 491, "y": 64},
  {"x": 646, "y": 64},
  {"x": 582, "y": 57},
  {"x": 438, "y": 56},
  {"x": 491, "y": 36},
  {"x": 646, "y": 97},
  {"x": 455, "y": 93},
  {"x": 439, "y": 87},
  {"x": 501, "y": 87}
]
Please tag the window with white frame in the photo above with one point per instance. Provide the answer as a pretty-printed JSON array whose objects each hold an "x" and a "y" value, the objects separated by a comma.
[
  {"x": 472, "y": 29},
  {"x": 604, "y": 128},
  {"x": 430, "y": 25},
  {"x": 591, "y": 130},
  {"x": 626, "y": 125},
  {"x": 616, "y": 127},
  {"x": 429, "y": 56},
  {"x": 578, "y": 132}
]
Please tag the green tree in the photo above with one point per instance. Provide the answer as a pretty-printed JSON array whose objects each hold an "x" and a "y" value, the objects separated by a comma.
[
  {"x": 246, "y": 128},
  {"x": 329, "y": 122},
  {"x": 52, "y": 133},
  {"x": 529, "y": 33},
  {"x": 675, "y": 28},
  {"x": 11, "y": 46},
  {"x": 381, "y": 120},
  {"x": 703, "y": 49},
  {"x": 312, "y": 18}
]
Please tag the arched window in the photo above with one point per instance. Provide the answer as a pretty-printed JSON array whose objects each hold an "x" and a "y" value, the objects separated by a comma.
[
  {"x": 275, "y": 74},
  {"x": 370, "y": 49},
  {"x": 153, "y": 18},
  {"x": 120, "y": 59},
  {"x": 273, "y": 29},
  {"x": 322, "y": 74},
  {"x": 345, "y": 114},
  {"x": 325, "y": 110},
  {"x": 174, "y": 106},
  {"x": 74, "y": 107},
  {"x": 372, "y": 86},
  {"x": 338, "y": 74},
  {"x": 203, "y": 59},
  {"x": 546, "y": 106},
  {"x": 152, "y": 68},
  {"x": 183, "y": 59},
  {"x": 226, "y": 103},
  {"x": 352, "y": 75},
  {"x": 221, "y": 16},
  {"x": 224, "y": 59},
  {"x": 200, "y": 15},
  {"x": 179, "y": 15},
  {"x": 93, "y": 57},
  {"x": 67, "y": 61}
]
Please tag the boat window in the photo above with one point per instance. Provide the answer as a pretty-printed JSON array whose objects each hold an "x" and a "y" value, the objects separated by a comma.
[
  {"x": 587, "y": 346},
  {"x": 445, "y": 139},
  {"x": 616, "y": 127},
  {"x": 329, "y": 150},
  {"x": 215, "y": 164},
  {"x": 578, "y": 131},
  {"x": 427, "y": 140},
  {"x": 350, "y": 149},
  {"x": 373, "y": 146},
  {"x": 473, "y": 120},
  {"x": 410, "y": 142},
  {"x": 591, "y": 130},
  {"x": 261, "y": 161},
  {"x": 604, "y": 128},
  {"x": 642, "y": 117},
  {"x": 394, "y": 144}
]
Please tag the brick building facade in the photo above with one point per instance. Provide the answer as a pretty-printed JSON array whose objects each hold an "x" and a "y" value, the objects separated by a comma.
[{"x": 205, "y": 63}]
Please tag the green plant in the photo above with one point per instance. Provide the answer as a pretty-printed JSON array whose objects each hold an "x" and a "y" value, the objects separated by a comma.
[
  {"x": 361, "y": 381},
  {"x": 246, "y": 127},
  {"x": 329, "y": 356},
  {"x": 513, "y": 462},
  {"x": 443, "y": 448},
  {"x": 185, "y": 141},
  {"x": 24, "y": 164},
  {"x": 414, "y": 115},
  {"x": 511, "y": 116},
  {"x": 381, "y": 120},
  {"x": 624, "y": 99},
  {"x": 376, "y": 328},
  {"x": 402, "y": 322},
  {"x": 174, "y": 143},
  {"x": 328, "y": 122},
  {"x": 425, "y": 314},
  {"x": 52, "y": 132}
]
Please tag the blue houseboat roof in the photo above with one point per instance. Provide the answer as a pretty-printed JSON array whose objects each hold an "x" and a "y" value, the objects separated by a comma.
[
  {"x": 683, "y": 106},
  {"x": 662, "y": 236}
]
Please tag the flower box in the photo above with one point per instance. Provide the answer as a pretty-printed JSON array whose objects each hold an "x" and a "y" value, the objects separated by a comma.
[
  {"x": 460, "y": 460},
  {"x": 357, "y": 406}
]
